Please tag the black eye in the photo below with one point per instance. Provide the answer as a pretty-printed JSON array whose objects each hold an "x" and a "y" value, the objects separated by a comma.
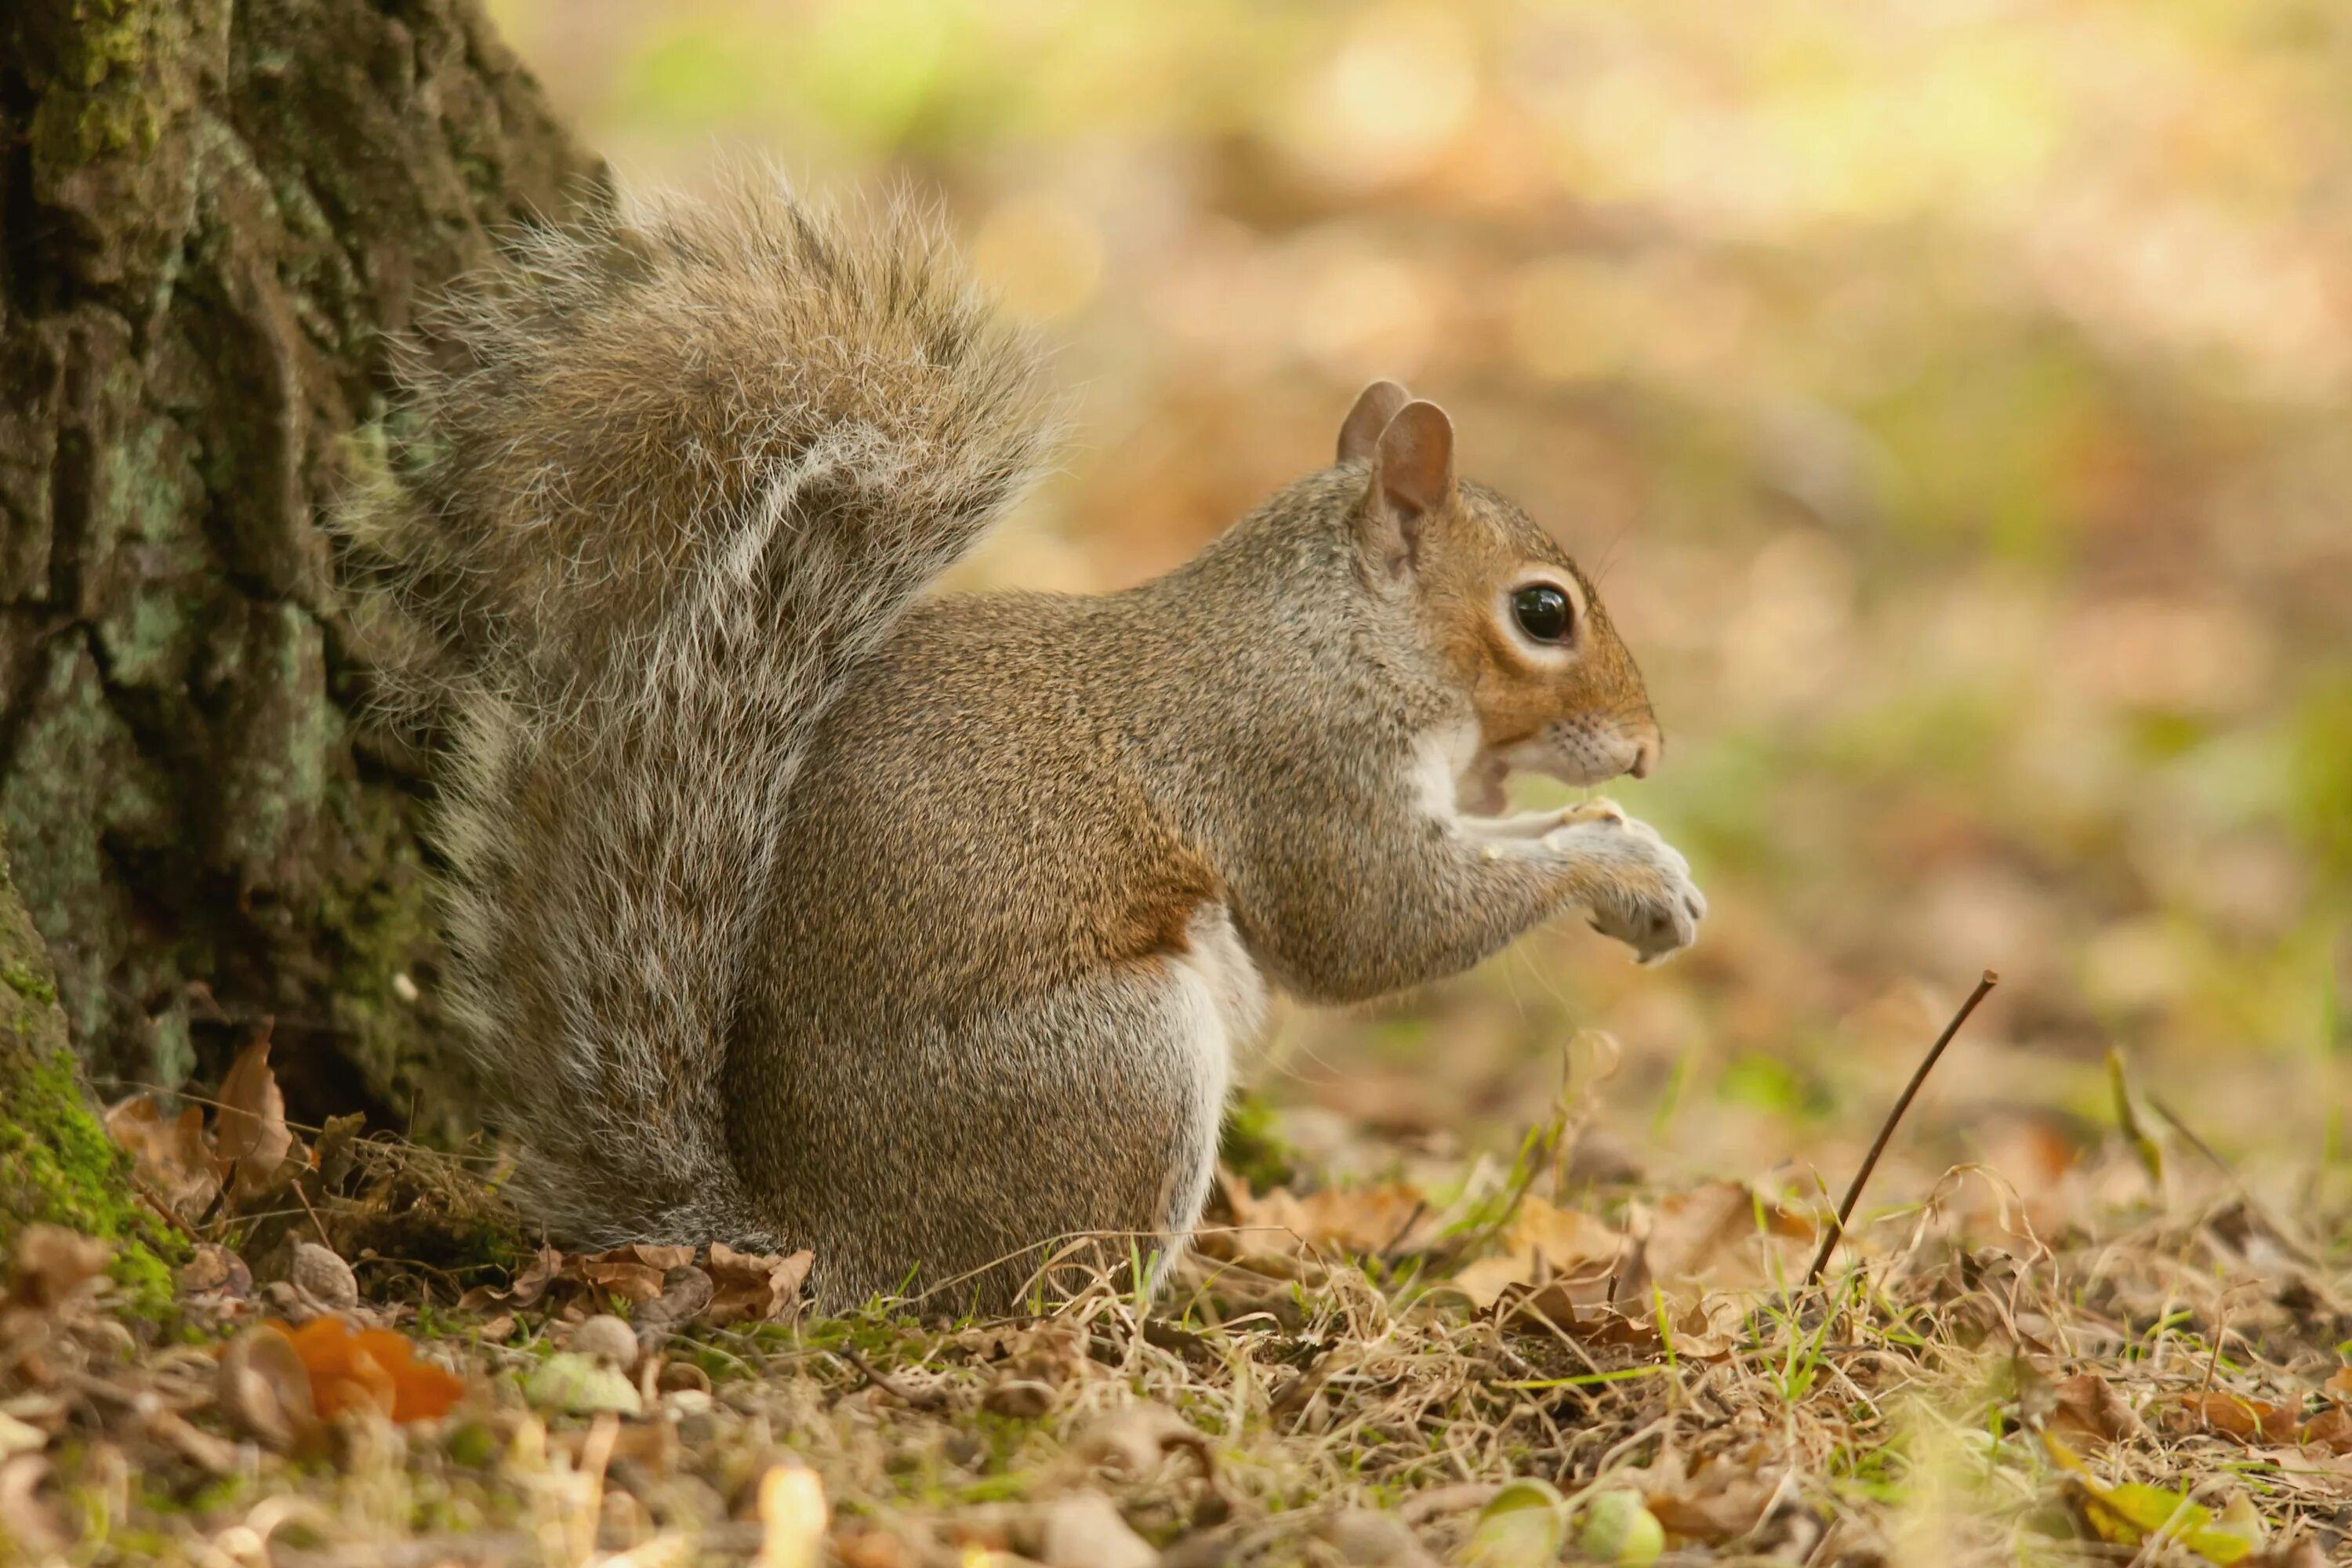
[{"x": 1542, "y": 611}]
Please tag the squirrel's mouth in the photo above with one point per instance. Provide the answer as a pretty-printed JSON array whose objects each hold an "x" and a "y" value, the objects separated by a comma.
[{"x": 1575, "y": 754}]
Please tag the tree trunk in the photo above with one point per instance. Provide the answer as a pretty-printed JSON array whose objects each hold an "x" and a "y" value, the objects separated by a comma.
[{"x": 210, "y": 217}]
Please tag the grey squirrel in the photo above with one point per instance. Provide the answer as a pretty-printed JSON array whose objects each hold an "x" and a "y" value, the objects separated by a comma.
[{"x": 790, "y": 907}]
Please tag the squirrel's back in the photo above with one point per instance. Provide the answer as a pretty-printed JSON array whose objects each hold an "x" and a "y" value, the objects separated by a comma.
[{"x": 657, "y": 484}]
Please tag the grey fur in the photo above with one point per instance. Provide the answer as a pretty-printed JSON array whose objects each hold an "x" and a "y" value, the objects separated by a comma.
[{"x": 789, "y": 914}]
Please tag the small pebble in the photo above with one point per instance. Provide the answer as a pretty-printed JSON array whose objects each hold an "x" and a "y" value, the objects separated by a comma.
[{"x": 323, "y": 1276}]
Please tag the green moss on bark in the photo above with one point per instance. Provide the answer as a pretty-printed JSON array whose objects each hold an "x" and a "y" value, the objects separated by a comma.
[{"x": 57, "y": 1164}]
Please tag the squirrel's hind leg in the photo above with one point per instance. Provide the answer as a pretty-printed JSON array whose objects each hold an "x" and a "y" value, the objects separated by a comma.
[{"x": 1070, "y": 1132}]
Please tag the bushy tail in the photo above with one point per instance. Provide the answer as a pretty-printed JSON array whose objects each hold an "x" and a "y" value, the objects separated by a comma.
[{"x": 658, "y": 485}]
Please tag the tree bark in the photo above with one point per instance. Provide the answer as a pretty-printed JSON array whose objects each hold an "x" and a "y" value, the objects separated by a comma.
[{"x": 211, "y": 216}]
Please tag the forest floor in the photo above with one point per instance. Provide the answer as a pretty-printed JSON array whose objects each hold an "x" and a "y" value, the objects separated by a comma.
[{"x": 1538, "y": 1359}]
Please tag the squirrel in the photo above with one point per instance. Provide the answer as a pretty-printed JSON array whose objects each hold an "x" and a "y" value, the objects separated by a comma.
[{"x": 793, "y": 906}]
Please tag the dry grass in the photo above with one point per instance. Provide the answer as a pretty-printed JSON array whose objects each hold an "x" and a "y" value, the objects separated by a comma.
[{"x": 1317, "y": 1387}]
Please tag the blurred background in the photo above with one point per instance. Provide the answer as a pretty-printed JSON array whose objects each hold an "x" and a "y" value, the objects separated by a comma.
[{"x": 1950, "y": 397}]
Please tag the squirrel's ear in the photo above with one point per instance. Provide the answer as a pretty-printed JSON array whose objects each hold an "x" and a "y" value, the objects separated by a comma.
[
  {"x": 1412, "y": 475},
  {"x": 1375, "y": 407}
]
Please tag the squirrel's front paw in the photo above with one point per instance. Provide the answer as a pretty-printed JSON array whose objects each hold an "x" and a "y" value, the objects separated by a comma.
[{"x": 1639, "y": 889}]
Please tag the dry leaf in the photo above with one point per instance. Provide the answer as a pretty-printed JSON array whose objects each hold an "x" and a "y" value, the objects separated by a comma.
[
  {"x": 1132, "y": 1442},
  {"x": 2246, "y": 1420},
  {"x": 1386, "y": 1217},
  {"x": 634, "y": 1273},
  {"x": 759, "y": 1288},
  {"x": 528, "y": 1288},
  {"x": 250, "y": 1137},
  {"x": 2090, "y": 1410},
  {"x": 2330, "y": 1429},
  {"x": 1718, "y": 1505},
  {"x": 214, "y": 1270},
  {"x": 173, "y": 1159},
  {"x": 627, "y": 1279},
  {"x": 1550, "y": 1309},
  {"x": 1023, "y": 1398},
  {"x": 660, "y": 1258},
  {"x": 1544, "y": 1245},
  {"x": 685, "y": 1292},
  {"x": 51, "y": 1263},
  {"x": 1716, "y": 1235}
]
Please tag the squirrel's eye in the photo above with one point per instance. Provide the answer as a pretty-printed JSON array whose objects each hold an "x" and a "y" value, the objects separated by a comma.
[{"x": 1542, "y": 612}]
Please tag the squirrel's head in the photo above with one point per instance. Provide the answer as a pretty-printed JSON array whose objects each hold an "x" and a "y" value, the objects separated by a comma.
[{"x": 1518, "y": 628}]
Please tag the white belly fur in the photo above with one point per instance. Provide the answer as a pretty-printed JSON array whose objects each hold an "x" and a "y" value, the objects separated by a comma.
[{"x": 1221, "y": 1005}]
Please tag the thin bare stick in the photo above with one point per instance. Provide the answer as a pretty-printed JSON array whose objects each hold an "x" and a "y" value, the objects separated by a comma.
[
  {"x": 920, "y": 1399},
  {"x": 1870, "y": 1161}
]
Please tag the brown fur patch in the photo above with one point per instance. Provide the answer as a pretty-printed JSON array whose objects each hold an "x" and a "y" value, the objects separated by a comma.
[{"x": 1156, "y": 920}]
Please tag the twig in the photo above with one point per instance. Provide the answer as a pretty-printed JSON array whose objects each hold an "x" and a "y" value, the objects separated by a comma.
[
  {"x": 920, "y": 1399},
  {"x": 1870, "y": 1161},
  {"x": 153, "y": 1200}
]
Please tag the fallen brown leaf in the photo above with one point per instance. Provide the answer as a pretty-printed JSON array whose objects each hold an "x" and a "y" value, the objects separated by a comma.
[
  {"x": 250, "y": 1137},
  {"x": 51, "y": 1265},
  {"x": 1717, "y": 1235},
  {"x": 685, "y": 1292},
  {"x": 173, "y": 1159},
  {"x": 635, "y": 1272},
  {"x": 628, "y": 1280},
  {"x": 2090, "y": 1410},
  {"x": 1713, "y": 1507},
  {"x": 527, "y": 1289},
  {"x": 759, "y": 1288},
  {"x": 214, "y": 1270},
  {"x": 2246, "y": 1420},
  {"x": 1551, "y": 1309},
  {"x": 2330, "y": 1429},
  {"x": 1547, "y": 1245},
  {"x": 1387, "y": 1216},
  {"x": 1132, "y": 1442}
]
